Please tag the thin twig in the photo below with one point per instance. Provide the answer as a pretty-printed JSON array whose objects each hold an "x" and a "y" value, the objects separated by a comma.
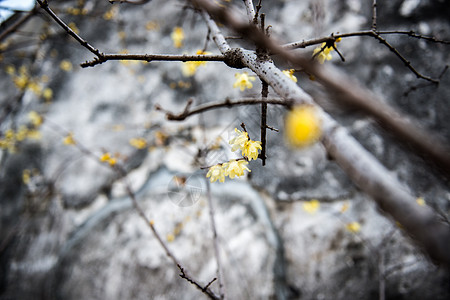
[
  {"x": 215, "y": 241},
  {"x": 152, "y": 57},
  {"x": 264, "y": 94},
  {"x": 374, "y": 15},
  {"x": 403, "y": 59},
  {"x": 304, "y": 44},
  {"x": 227, "y": 103},
  {"x": 44, "y": 5}
]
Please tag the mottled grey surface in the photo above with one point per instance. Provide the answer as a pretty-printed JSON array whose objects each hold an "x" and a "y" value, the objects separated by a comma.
[{"x": 72, "y": 232}]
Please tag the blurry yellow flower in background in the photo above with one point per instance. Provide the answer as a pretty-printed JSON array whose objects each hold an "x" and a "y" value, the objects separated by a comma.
[
  {"x": 190, "y": 67},
  {"x": 353, "y": 227},
  {"x": 421, "y": 201},
  {"x": 243, "y": 81},
  {"x": 69, "y": 140},
  {"x": 302, "y": 126},
  {"x": 138, "y": 143},
  {"x": 35, "y": 118},
  {"x": 311, "y": 207},
  {"x": 177, "y": 37},
  {"x": 290, "y": 73},
  {"x": 65, "y": 65},
  {"x": 106, "y": 157}
]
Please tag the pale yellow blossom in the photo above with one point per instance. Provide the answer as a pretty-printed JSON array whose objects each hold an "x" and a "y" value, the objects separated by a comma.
[
  {"x": 251, "y": 149},
  {"x": 238, "y": 142},
  {"x": 290, "y": 73},
  {"x": 215, "y": 173},
  {"x": 235, "y": 168},
  {"x": 243, "y": 81},
  {"x": 311, "y": 207},
  {"x": 323, "y": 55}
]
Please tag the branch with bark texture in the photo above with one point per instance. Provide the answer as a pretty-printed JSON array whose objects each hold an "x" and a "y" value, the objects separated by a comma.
[{"x": 361, "y": 166}]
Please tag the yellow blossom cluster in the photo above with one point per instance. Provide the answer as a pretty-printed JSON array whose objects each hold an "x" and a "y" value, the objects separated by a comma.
[
  {"x": 243, "y": 81},
  {"x": 11, "y": 138},
  {"x": 232, "y": 169},
  {"x": 322, "y": 53},
  {"x": 235, "y": 168},
  {"x": 248, "y": 147},
  {"x": 190, "y": 67}
]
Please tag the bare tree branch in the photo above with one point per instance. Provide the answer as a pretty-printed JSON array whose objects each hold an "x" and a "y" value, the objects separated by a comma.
[
  {"x": 227, "y": 103},
  {"x": 152, "y": 57}
]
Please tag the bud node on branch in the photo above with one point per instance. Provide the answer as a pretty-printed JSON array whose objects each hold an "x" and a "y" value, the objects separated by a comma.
[{"x": 233, "y": 58}]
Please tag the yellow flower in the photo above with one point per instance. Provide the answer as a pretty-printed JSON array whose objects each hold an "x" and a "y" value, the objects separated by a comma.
[
  {"x": 312, "y": 206},
  {"x": 215, "y": 173},
  {"x": 235, "y": 168},
  {"x": 290, "y": 73},
  {"x": 353, "y": 227},
  {"x": 238, "y": 142},
  {"x": 47, "y": 94},
  {"x": 190, "y": 67},
  {"x": 35, "y": 118},
  {"x": 69, "y": 140},
  {"x": 324, "y": 55},
  {"x": 421, "y": 201},
  {"x": 345, "y": 206},
  {"x": 26, "y": 176},
  {"x": 302, "y": 126},
  {"x": 177, "y": 37},
  {"x": 65, "y": 65},
  {"x": 251, "y": 149},
  {"x": 74, "y": 27},
  {"x": 170, "y": 237},
  {"x": 138, "y": 143},
  {"x": 10, "y": 69},
  {"x": 111, "y": 13},
  {"x": 106, "y": 157},
  {"x": 243, "y": 81}
]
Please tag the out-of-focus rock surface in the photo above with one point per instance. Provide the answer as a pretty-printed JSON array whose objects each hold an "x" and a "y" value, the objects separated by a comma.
[{"x": 71, "y": 232}]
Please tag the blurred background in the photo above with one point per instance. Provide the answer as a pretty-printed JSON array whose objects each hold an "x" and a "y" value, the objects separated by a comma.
[{"x": 296, "y": 228}]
